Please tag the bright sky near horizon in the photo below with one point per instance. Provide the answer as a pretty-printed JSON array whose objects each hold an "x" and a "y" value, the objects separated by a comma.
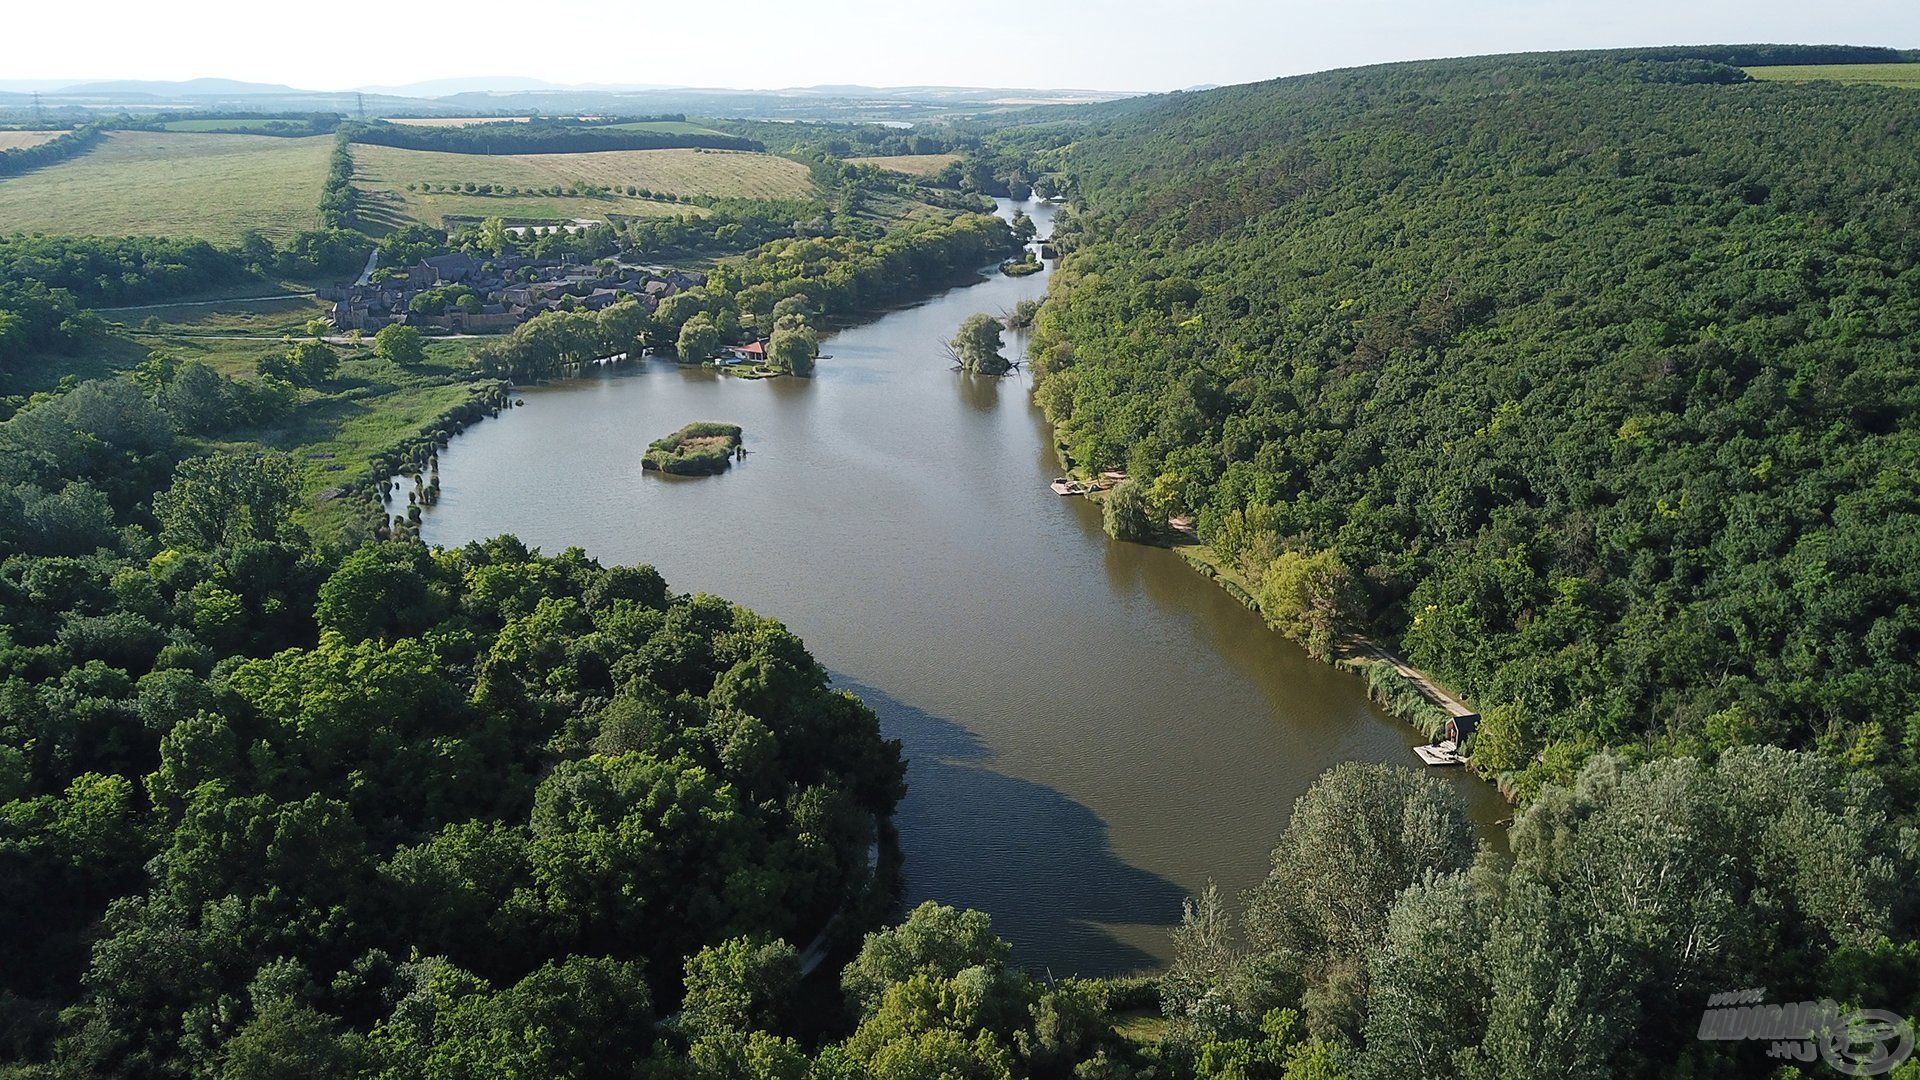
[{"x": 760, "y": 44}]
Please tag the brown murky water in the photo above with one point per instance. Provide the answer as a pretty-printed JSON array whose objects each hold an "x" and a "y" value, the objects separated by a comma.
[{"x": 1094, "y": 730}]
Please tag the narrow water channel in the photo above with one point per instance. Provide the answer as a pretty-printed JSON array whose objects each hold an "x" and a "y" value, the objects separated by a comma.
[{"x": 1093, "y": 729}]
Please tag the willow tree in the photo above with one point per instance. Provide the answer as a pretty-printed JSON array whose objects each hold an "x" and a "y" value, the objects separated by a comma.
[
  {"x": 699, "y": 339},
  {"x": 977, "y": 346},
  {"x": 792, "y": 350}
]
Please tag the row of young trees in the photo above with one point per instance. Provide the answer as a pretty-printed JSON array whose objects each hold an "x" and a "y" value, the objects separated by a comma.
[
  {"x": 19, "y": 159},
  {"x": 337, "y": 196}
]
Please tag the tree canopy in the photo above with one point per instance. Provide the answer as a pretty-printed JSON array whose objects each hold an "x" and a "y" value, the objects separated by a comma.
[
  {"x": 977, "y": 345},
  {"x": 1592, "y": 373},
  {"x": 441, "y": 812}
]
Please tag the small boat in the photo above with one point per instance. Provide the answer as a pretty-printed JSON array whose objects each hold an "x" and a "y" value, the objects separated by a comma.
[{"x": 1062, "y": 486}]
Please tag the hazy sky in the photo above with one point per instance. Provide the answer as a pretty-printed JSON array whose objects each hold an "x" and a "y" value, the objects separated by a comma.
[{"x": 1117, "y": 44}]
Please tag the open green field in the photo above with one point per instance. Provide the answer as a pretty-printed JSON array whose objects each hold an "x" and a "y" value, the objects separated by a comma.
[
  {"x": 214, "y": 187},
  {"x": 382, "y": 174},
  {"x": 670, "y": 127},
  {"x": 20, "y": 140},
  {"x": 1906, "y": 76},
  {"x": 229, "y": 336},
  {"x": 205, "y": 125},
  {"x": 911, "y": 164},
  {"x": 455, "y": 121}
]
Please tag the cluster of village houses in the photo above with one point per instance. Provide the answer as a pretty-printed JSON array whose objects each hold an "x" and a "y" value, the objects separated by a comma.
[{"x": 512, "y": 289}]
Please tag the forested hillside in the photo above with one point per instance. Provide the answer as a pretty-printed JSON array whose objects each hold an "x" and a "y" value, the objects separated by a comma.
[{"x": 1592, "y": 380}]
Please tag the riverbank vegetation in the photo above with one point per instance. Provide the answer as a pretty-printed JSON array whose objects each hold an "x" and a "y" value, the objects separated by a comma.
[
  {"x": 793, "y": 348},
  {"x": 1600, "y": 407},
  {"x": 702, "y": 448},
  {"x": 1632, "y": 896},
  {"x": 837, "y": 277}
]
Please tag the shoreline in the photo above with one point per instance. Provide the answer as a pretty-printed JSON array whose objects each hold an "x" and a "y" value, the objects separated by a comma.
[
  {"x": 1374, "y": 663},
  {"x": 1380, "y": 667}
]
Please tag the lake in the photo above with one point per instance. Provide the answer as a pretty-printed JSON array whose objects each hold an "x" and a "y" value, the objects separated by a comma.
[{"x": 1093, "y": 729}]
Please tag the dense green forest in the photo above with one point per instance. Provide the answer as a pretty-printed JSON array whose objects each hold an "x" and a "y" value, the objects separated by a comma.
[
  {"x": 1588, "y": 379},
  {"x": 246, "y": 774}
]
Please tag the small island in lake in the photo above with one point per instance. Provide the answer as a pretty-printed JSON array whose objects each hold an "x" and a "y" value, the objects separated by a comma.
[
  {"x": 1026, "y": 264},
  {"x": 702, "y": 448}
]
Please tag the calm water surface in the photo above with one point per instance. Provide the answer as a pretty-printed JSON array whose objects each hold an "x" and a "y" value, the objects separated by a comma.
[{"x": 1093, "y": 729}]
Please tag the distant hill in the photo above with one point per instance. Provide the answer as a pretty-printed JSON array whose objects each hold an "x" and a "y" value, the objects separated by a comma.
[
  {"x": 499, "y": 84},
  {"x": 187, "y": 88},
  {"x": 959, "y": 93},
  {"x": 491, "y": 95}
]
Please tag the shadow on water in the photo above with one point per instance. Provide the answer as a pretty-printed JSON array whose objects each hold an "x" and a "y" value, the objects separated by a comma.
[
  {"x": 974, "y": 836},
  {"x": 981, "y": 393}
]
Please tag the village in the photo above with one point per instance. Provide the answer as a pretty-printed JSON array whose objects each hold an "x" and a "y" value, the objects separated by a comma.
[{"x": 460, "y": 293}]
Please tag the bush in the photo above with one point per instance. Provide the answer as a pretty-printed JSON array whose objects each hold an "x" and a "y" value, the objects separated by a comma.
[{"x": 1306, "y": 596}]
